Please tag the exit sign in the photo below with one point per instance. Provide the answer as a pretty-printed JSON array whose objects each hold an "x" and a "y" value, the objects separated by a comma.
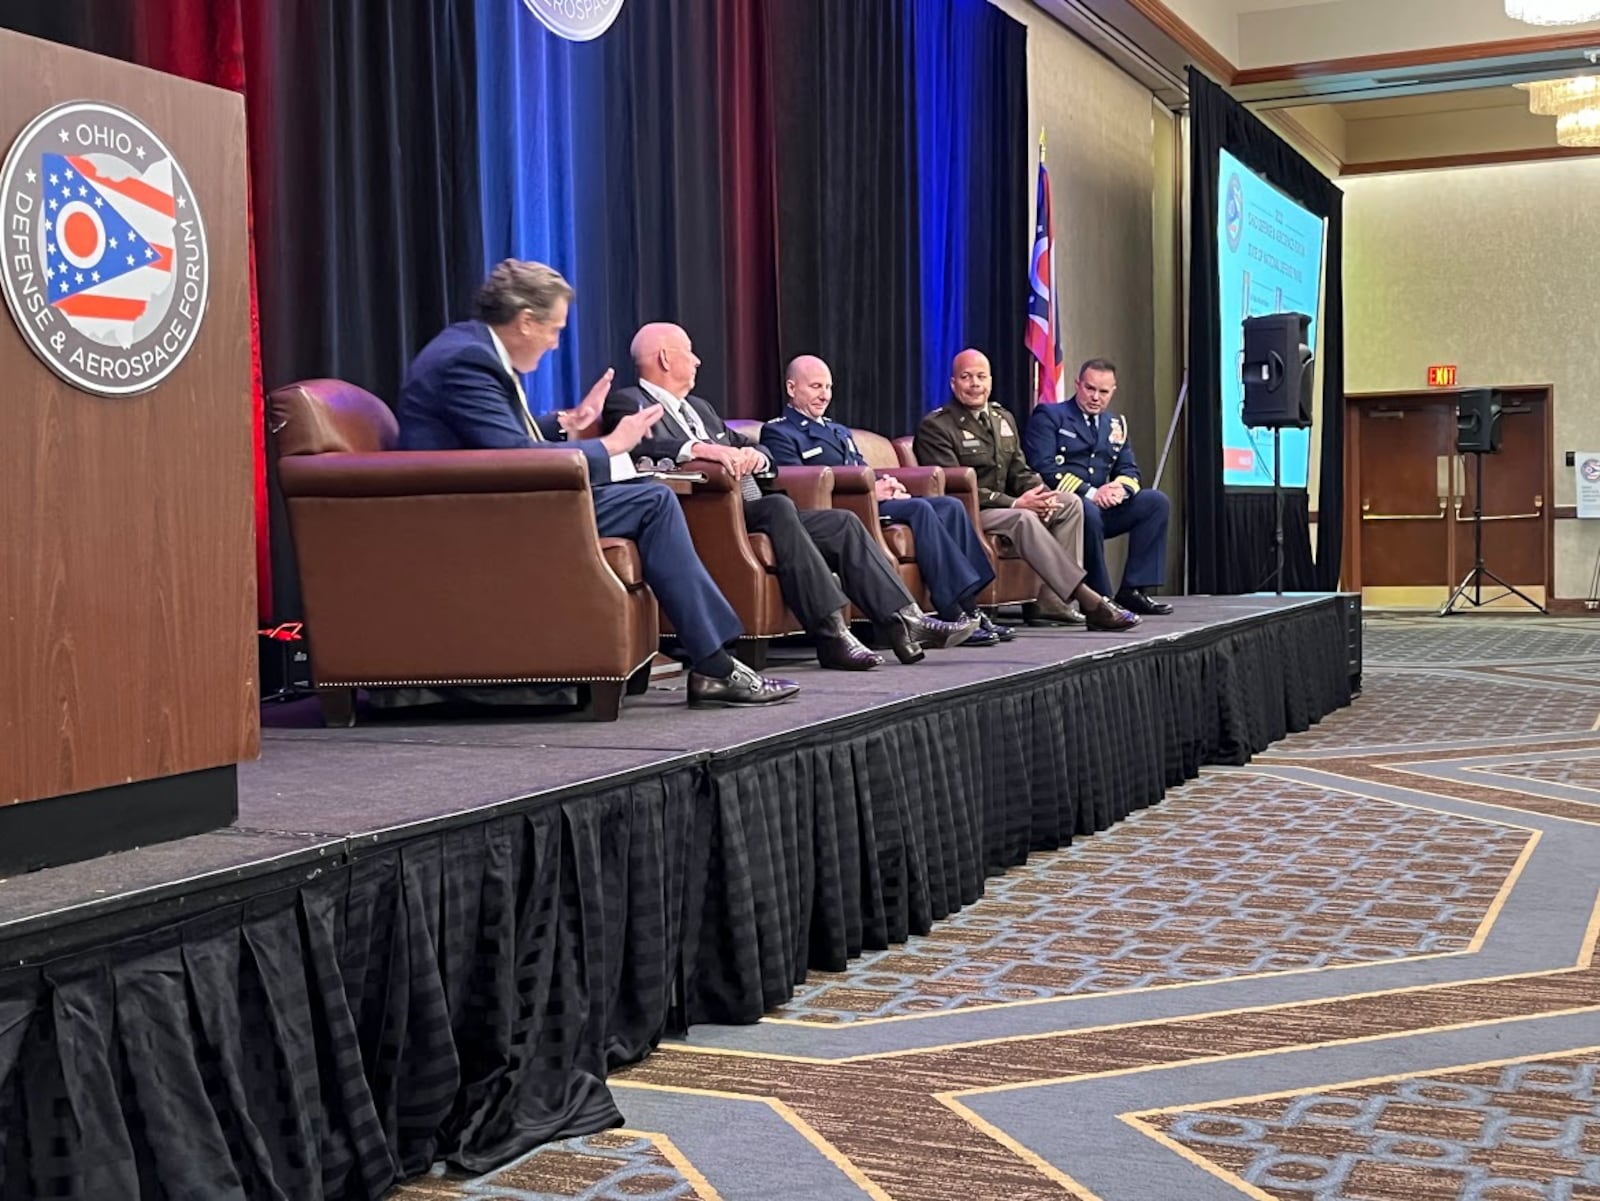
[{"x": 1442, "y": 375}]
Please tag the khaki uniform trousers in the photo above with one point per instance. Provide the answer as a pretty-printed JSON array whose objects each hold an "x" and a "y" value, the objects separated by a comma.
[{"x": 1052, "y": 547}]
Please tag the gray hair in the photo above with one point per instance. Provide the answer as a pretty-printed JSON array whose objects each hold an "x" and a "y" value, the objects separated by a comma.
[{"x": 515, "y": 285}]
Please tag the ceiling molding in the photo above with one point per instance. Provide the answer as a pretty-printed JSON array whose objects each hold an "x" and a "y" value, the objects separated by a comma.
[
  {"x": 1487, "y": 158},
  {"x": 1428, "y": 56},
  {"x": 1180, "y": 31}
]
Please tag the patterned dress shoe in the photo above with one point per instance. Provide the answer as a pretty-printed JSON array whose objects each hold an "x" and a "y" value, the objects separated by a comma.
[
  {"x": 931, "y": 631},
  {"x": 744, "y": 687},
  {"x": 1110, "y": 617},
  {"x": 844, "y": 652},
  {"x": 1001, "y": 633},
  {"x": 1135, "y": 600}
]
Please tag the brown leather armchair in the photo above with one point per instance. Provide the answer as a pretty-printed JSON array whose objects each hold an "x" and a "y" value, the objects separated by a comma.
[
  {"x": 439, "y": 568},
  {"x": 1014, "y": 581}
]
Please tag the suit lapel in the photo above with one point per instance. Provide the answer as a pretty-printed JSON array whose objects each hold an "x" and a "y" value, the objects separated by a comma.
[{"x": 512, "y": 386}]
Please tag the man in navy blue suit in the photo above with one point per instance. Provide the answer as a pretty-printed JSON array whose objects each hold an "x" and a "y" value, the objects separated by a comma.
[
  {"x": 951, "y": 557},
  {"x": 1078, "y": 447},
  {"x": 464, "y": 392}
]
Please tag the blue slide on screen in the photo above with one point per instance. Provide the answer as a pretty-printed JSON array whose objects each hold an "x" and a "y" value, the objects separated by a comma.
[{"x": 1269, "y": 260}]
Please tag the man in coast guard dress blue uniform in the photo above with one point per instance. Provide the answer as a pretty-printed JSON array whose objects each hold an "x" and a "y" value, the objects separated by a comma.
[
  {"x": 1078, "y": 447},
  {"x": 951, "y": 557},
  {"x": 462, "y": 392}
]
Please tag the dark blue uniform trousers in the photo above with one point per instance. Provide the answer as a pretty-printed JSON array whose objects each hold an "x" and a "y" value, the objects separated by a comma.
[
  {"x": 648, "y": 514},
  {"x": 1143, "y": 517},
  {"x": 951, "y": 557}
]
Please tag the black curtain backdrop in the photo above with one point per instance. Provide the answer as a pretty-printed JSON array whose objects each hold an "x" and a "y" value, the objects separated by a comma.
[
  {"x": 1230, "y": 534},
  {"x": 846, "y": 192},
  {"x": 857, "y": 284},
  {"x": 999, "y": 231}
]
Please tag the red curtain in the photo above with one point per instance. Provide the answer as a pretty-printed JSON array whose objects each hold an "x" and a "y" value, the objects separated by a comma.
[{"x": 203, "y": 40}]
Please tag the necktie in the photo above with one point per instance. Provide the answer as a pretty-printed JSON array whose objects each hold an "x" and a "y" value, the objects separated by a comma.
[
  {"x": 690, "y": 420},
  {"x": 1094, "y": 424},
  {"x": 534, "y": 431}
]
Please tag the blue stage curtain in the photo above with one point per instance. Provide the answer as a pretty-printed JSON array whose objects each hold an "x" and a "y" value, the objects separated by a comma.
[{"x": 969, "y": 72}]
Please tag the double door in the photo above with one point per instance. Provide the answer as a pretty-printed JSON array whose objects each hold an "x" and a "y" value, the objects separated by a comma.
[{"x": 1410, "y": 496}]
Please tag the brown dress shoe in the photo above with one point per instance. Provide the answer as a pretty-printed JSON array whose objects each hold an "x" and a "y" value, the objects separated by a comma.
[{"x": 1110, "y": 617}]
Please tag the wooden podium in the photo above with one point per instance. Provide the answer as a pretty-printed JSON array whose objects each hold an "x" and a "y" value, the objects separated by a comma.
[{"x": 128, "y": 689}]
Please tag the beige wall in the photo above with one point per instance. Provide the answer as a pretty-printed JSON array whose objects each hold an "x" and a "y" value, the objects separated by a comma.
[
  {"x": 1100, "y": 136},
  {"x": 1493, "y": 269},
  {"x": 1346, "y": 28}
]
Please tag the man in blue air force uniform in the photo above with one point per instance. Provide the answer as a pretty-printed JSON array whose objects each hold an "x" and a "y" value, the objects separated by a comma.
[
  {"x": 1078, "y": 447},
  {"x": 951, "y": 557},
  {"x": 463, "y": 392}
]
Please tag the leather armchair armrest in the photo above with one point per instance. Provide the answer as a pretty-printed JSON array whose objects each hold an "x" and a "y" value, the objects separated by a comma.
[
  {"x": 718, "y": 478},
  {"x": 963, "y": 482},
  {"x": 919, "y": 481},
  {"x": 810, "y": 487},
  {"x": 433, "y": 472},
  {"x": 847, "y": 481}
]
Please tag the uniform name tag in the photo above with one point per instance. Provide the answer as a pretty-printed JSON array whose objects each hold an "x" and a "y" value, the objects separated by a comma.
[{"x": 812, "y": 453}]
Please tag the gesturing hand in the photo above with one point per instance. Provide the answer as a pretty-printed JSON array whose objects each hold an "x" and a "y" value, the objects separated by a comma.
[
  {"x": 587, "y": 412},
  {"x": 631, "y": 429}
]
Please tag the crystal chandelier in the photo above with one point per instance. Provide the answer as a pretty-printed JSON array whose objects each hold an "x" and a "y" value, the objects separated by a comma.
[
  {"x": 1574, "y": 103},
  {"x": 1553, "y": 12}
]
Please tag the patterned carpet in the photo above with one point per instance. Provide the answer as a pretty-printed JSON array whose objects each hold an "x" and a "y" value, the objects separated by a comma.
[{"x": 1361, "y": 967}]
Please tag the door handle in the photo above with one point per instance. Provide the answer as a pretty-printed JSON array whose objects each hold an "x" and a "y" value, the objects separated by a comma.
[
  {"x": 1368, "y": 515},
  {"x": 1538, "y": 511}
]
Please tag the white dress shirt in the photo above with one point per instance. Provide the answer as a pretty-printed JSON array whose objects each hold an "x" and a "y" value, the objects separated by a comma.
[
  {"x": 622, "y": 467},
  {"x": 683, "y": 413}
]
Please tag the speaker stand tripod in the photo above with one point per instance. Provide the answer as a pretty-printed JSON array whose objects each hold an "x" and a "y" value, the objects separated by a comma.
[
  {"x": 1474, "y": 579},
  {"x": 1276, "y": 572}
]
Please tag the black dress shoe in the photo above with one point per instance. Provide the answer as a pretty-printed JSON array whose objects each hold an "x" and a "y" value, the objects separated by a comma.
[
  {"x": 982, "y": 637},
  {"x": 1001, "y": 633},
  {"x": 1134, "y": 600},
  {"x": 1109, "y": 617},
  {"x": 744, "y": 687}
]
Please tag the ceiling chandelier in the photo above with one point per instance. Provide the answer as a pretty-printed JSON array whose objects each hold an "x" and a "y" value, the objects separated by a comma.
[
  {"x": 1553, "y": 12},
  {"x": 1574, "y": 103}
]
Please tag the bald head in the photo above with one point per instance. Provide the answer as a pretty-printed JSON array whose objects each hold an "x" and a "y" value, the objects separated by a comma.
[
  {"x": 969, "y": 379},
  {"x": 809, "y": 384},
  {"x": 663, "y": 355}
]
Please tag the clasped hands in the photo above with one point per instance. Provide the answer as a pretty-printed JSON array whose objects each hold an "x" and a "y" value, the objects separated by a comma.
[
  {"x": 740, "y": 461},
  {"x": 1040, "y": 499},
  {"x": 886, "y": 487},
  {"x": 1109, "y": 496}
]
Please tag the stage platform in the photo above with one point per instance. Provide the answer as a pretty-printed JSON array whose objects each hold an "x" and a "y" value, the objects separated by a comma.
[{"x": 428, "y": 939}]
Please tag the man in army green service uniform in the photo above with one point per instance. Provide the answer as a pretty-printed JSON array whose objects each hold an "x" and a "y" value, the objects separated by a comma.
[{"x": 1045, "y": 526}]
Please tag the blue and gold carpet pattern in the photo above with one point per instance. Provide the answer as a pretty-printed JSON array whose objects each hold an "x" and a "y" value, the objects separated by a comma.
[{"x": 1360, "y": 967}]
